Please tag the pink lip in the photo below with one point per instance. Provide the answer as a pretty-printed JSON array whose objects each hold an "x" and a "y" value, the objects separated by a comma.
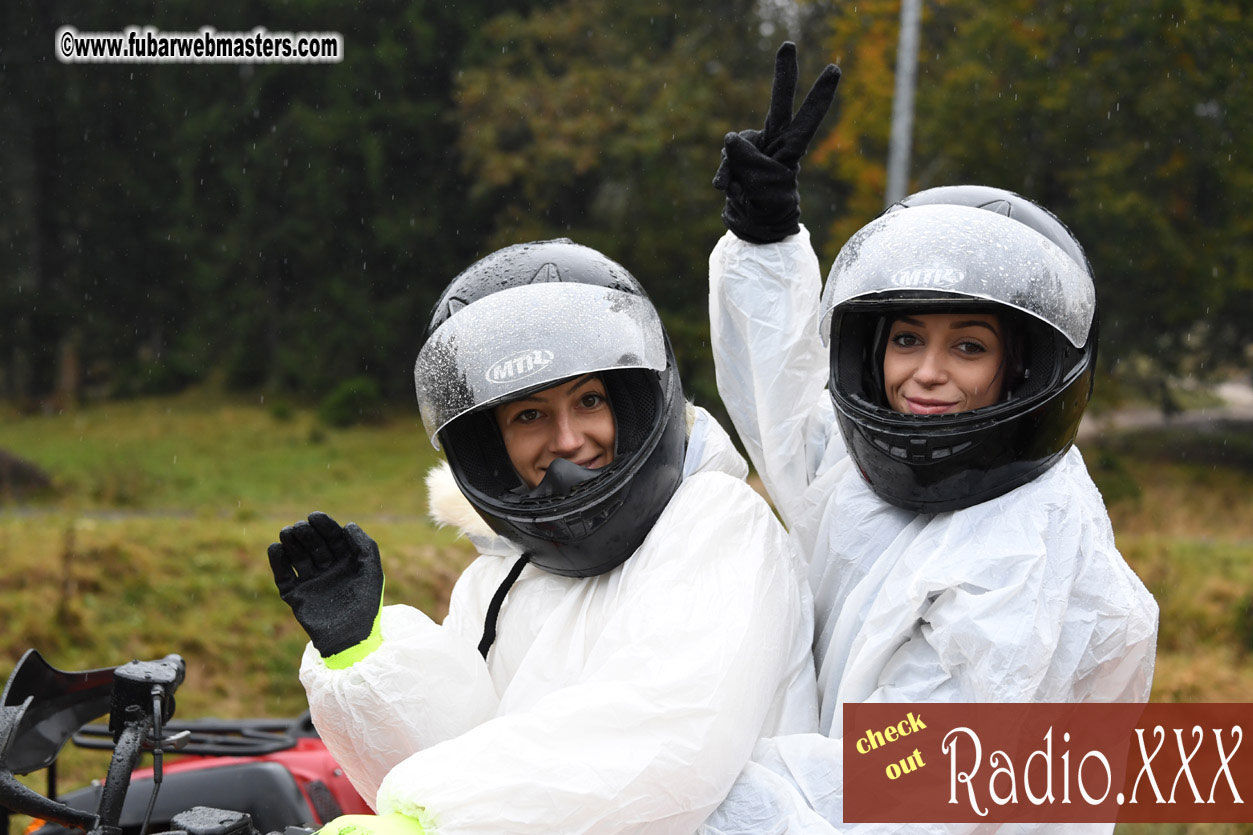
[{"x": 923, "y": 406}]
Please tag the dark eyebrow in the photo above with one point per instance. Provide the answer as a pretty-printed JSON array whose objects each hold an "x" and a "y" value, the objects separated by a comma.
[
  {"x": 965, "y": 323},
  {"x": 968, "y": 323},
  {"x": 580, "y": 381}
]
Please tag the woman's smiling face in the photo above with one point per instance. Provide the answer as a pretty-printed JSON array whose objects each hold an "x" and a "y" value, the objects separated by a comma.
[
  {"x": 942, "y": 363},
  {"x": 571, "y": 420}
]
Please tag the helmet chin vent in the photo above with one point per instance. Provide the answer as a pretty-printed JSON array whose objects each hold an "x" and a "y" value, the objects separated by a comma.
[
  {"x": 920, "y": 450},
  {"x": 574, "y": 528}
]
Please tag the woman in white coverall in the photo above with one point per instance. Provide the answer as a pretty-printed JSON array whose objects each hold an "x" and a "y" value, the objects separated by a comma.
[
  {"x": 637, "y": 618},
  {"x": 958, "y": 549}
]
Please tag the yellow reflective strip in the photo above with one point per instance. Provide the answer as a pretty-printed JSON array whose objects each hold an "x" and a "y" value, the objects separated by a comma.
[{"x": 393, "y": 823}]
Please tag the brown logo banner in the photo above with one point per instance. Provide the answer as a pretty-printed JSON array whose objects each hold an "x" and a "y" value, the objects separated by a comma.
[{"x": 1048, "y": 763}]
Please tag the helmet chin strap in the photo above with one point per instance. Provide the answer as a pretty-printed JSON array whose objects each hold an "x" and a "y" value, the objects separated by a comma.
[{"x": 563, "y": 476}]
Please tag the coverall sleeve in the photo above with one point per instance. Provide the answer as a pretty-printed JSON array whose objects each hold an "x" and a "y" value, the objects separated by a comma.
[
  {"x": 672, "y": 696},
  {"x": 426, "y": 683},
  {"x": 770, "y": 363}
]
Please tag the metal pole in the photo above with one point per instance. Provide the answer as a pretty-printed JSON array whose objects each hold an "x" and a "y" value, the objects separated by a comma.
[{"x": 903, "y": 102}]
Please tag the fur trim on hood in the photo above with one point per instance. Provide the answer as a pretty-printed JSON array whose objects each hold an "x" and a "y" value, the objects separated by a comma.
[{"x": 448, "y": 506}]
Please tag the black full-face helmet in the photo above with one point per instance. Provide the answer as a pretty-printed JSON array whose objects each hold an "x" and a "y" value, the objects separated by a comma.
[
  {"x": 949, "y": 250},
  {"x": 524, "y": 319}
]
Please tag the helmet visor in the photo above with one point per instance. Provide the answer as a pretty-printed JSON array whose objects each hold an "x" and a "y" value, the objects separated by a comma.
[
  {"x": 967, "y": 253},
  {"x": 521, "y": 339}
]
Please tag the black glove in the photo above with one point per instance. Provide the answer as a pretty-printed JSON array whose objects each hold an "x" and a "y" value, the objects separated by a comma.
[
  {"x": 332, "y": 578},
  {"x": 759, "y": 167}
]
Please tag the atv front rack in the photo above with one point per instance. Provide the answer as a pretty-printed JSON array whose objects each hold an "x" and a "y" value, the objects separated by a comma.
[{"x": 218, "y": 737}]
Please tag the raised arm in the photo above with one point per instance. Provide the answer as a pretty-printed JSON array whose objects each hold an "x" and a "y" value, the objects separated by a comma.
[
  {"x": 764, "y": 293},
  {"x": 381, "y": 684}
]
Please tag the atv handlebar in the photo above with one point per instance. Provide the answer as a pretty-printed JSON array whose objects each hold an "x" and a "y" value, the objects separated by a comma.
[{"x": 42, "y": 707}]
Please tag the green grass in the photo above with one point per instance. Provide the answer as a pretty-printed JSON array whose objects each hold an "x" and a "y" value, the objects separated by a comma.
[
  {"x": 200, "y": 453},
  {"x": 93, "y": 592},
  {"x": 155, "y": 538},
  {"x": 154, "y": 542}
]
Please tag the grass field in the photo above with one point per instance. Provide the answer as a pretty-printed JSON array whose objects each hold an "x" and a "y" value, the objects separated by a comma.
[{"x": 153, "y": 541}]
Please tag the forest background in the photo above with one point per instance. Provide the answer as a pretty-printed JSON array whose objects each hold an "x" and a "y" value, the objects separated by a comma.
[
  {"x": 214, "y": 279},
  {"x": 286, "y": 227}
]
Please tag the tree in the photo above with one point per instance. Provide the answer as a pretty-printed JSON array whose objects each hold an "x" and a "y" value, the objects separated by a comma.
[
  {"x": 1120, "y": 117},
  {"x": 286, "y": 224},
  {"x": 602, "y": 121}
]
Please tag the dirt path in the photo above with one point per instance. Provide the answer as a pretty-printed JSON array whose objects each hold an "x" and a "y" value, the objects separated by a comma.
[{"x": 1237, "y": 405}]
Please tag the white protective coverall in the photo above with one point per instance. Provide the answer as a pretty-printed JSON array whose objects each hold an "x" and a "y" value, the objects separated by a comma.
[
  {"x": 1023, "y": 598},
  {"x": 626, "y": 702}
]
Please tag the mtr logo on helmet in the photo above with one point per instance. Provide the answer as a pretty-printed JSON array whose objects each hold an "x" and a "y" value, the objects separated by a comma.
[
  {"x": 930, "y": 277},
  {"x": 519, "y": 366}
]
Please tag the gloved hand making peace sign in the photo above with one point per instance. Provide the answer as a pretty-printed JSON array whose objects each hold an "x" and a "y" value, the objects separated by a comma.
[{"x": 759, "y": 167}]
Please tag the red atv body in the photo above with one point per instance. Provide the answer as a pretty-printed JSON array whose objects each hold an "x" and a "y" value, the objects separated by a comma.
[{"x": 277, "y": 772}]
